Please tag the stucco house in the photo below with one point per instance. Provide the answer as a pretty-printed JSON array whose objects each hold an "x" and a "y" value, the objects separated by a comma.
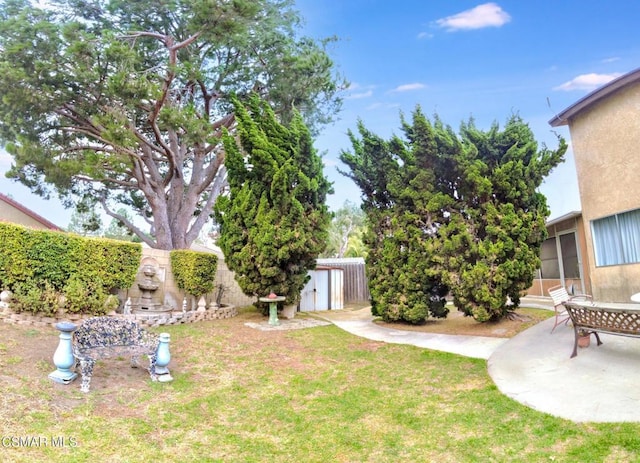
[
  {"x": 564, "y": 261},
  {"x": 14, "y": 212},
  {"x": 605, "y": 133}
]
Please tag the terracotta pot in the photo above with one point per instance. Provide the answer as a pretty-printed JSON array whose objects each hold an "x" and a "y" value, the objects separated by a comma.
[{"x": 584, "y": 340}]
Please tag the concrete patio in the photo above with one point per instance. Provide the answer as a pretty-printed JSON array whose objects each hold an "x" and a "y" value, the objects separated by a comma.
[{"x": 534, "y": 367}]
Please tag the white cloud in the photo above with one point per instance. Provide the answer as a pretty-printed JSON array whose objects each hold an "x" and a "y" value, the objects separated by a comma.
[
  {"x": 485, "y": 15},
  {"x": 611, "y": 60},
  {"x": 357, "y": 91},
  {"x": 356, "y": 96},
  {"x": 409, "y": 87},
  {"x": 425, "y": 35},
  {"x": 374, "y": 106},
  {"x": 587, "y": 81}
]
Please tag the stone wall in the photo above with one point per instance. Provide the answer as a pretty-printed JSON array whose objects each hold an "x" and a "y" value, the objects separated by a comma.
[
  {"x": 173, "y": 297},
  {"x": 167, "y": 294},
  {"x": 145, "y": 320},
  {"x": 232, "y": 292}
]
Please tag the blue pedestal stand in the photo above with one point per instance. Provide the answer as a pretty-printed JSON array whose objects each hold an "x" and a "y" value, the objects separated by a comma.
[
  {"x": 163, "y": 357},
  {"x": 63, "y": 357}
]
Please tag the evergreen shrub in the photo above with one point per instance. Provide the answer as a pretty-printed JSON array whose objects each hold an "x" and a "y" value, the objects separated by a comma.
[
  {"x": 39, "y": 266},
  {"x": 194, "y": 272}
]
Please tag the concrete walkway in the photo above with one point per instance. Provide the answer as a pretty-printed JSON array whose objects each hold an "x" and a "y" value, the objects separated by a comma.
[
  {"x": 534, "y": 368},
  {"x": 360, "y": 323}
]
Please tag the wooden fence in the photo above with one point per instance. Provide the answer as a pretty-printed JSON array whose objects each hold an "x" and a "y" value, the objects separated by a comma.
[{"x": 355, "y": 284}]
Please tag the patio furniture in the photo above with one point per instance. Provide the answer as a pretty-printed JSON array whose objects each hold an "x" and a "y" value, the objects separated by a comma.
[
  {"x": 103, "y": 337},
  {"x": 560, "y": 295},
  {"x": 603, "y": 317}
]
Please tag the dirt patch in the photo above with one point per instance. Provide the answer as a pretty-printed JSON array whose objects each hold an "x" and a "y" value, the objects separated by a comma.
[
  {"x": 457, "y": 323},
  {"x": 117, "y": 389},
  {"x": 26, "y": 359}
]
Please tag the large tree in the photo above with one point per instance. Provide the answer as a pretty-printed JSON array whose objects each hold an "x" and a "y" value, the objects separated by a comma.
[
  {"x": 274, "y": 222},
  {"x": 452, "y": 212},
  {"x": 123, "y": 103},
  {"x": 345, "y": 232},
  {"x": 397, "y": 180},
  {"x": 490, "y": 245}
]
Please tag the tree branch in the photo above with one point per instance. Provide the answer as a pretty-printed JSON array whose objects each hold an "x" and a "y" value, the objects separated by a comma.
[
  {"x": 122, "y": 183},
  {"x": 130, "y": 225},
  {"x": 207, "y": 209}
]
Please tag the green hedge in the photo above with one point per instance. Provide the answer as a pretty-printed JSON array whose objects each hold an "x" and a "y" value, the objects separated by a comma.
[
  {"x": 194, "y": 272},
  {"x": 39, "y": 266}
]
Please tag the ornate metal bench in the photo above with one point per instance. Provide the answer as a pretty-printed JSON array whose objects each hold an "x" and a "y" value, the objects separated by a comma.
[
  {"x": 103, "y": 337},
  {"x": 599, "y": 317}
]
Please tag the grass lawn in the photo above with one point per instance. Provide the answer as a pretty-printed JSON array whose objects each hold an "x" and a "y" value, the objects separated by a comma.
[{"x": 311, "y": 395}]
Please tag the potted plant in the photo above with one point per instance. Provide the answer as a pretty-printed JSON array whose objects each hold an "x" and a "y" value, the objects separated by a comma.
[{"x": 584, "y": 338}]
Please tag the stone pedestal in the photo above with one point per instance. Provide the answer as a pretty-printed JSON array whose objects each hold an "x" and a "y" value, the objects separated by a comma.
[
  {"x": 163, "y": 357},
  {"x": 202, "y": 304},
  {"x": 63, "y": 357},
  {"x": 272, "y": 299}
]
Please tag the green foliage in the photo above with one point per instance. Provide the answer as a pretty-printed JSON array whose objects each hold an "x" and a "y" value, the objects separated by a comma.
[
  {"x": 82, "y": 296},
  {"x": 34, "y": 264},
  {"x": 194, "y": 272},
  {"x": 85, "y": 221},
  {"x": 346, "y": 232},
  {"x": 29, "y": 296},
  {"x": 123, "y": 103},
  {"x": 117, "y": 230},
  {"x": 274, "y": 224},
  {"x": 451, "y": 213}
]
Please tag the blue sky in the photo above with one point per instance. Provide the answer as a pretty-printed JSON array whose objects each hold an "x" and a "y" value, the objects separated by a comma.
[
  {"x": 458, "y": 59},
  {"x": 461, "y": 59}
]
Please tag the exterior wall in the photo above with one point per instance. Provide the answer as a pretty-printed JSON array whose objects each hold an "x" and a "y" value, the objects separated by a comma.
[
  {"x": 605, "y": 140},
  {"x": 8, "y": 213},
  {"x": 540, "y": 286},
  {"x": 167, "y": 292},
  {"x": 232, "y": 292},
  {"x": 172, "y": 296}
]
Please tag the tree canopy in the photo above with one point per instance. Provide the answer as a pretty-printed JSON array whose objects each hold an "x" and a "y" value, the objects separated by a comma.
[
  {"x": 124, "y": 103},
  {"x": 273, "y": 223},
  {"x": 346, "y": 232},
  {"x": 451, "y": 213}
]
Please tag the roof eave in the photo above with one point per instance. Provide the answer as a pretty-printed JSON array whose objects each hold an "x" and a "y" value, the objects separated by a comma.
[
  {"x": 37, "y": 217},
  {"x": 562, "y": 218},
  {"x": 595, "y": 96}
]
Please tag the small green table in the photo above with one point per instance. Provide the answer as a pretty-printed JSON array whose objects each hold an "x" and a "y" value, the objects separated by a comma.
[{"x": 273, "y": 299}]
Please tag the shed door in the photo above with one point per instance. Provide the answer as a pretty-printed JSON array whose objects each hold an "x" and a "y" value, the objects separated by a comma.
[
  {"x": 315, "y": 294},
  {"x": 336, "y": 294}
]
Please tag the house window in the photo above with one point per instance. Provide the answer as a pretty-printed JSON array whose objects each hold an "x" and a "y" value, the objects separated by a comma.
[
  {"x": 567, "y": 258},
  {"x": 616, "y": 239},
  {"x": 570, "y": 260},
  {"x": 549, "y": 257}
]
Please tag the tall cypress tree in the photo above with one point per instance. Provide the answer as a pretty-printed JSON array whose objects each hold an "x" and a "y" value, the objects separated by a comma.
[
  {"x": 401, "y": 216},
  {"x": 274, "y": 223},
  {"x": 490, "y": 246},
  {"x": 449, "y": 212}
]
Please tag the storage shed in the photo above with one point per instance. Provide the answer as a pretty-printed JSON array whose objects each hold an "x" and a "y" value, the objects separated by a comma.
[{"x": 324, "y": 291}]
